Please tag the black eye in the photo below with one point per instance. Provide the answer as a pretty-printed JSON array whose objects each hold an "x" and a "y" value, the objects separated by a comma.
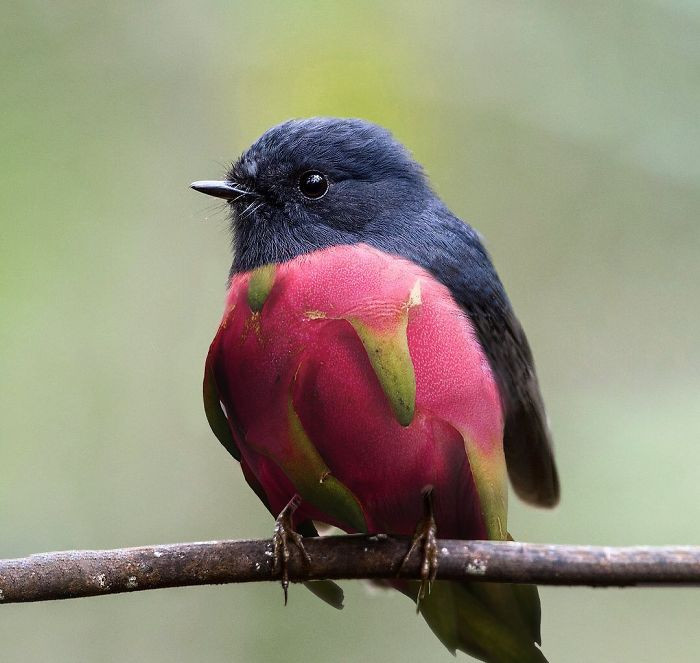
[{"x": 313, "y": 184}]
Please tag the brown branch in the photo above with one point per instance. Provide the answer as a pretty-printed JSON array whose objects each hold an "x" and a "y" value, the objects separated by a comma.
[{"x": 73, "y": 574}]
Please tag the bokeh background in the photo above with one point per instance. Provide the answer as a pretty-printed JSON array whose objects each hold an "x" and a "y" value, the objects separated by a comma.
[{"x": 566, "y": 132}]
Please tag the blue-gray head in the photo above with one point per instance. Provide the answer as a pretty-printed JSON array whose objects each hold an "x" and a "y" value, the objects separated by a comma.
[{"x": 311, "y": 183}]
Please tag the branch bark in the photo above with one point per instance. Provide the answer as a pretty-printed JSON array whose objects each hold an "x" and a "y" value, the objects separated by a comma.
[{"x": 80, "y": 573}]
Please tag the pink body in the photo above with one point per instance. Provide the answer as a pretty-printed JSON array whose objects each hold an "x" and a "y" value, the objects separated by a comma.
[{"x": 301, "y": 353}]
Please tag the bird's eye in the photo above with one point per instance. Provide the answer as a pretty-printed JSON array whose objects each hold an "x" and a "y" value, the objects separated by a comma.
[{"x": 313, "y": 184}]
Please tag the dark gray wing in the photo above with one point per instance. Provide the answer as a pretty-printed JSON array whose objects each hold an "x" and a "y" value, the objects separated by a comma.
[
  {"x": 453, "y": 252},
  {"x": 526, "y": 438}
]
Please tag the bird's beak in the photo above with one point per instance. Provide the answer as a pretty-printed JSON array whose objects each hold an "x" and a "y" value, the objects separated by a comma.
[{"x": 220, "y": 189}]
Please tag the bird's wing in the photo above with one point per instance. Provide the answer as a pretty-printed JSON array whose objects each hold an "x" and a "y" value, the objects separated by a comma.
[
  {"x": 464, "y": 266},
  {"x": 526, "y": 437}
]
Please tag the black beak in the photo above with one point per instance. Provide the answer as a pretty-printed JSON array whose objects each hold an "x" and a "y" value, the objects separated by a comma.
[{"x": 219, "y": 189}]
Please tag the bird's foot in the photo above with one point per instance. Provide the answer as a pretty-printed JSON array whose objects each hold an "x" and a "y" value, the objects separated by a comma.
[
  {"x": 284, "y": 535},
  {"x": 425, "y": 536}
]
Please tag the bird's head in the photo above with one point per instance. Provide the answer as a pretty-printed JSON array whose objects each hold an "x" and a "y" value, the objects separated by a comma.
[{"x": 318, "y": 182}]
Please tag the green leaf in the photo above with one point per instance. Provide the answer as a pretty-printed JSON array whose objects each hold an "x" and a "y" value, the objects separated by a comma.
[
  {"x": 391, "y": 360},
  {"x": 259, "y": 286},
  {"x": 215, "y": 414},
  {"x": 313, "y": 480}
]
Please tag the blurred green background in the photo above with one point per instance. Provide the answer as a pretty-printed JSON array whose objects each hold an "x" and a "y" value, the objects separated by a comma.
[{"x": 567, "y": 133}]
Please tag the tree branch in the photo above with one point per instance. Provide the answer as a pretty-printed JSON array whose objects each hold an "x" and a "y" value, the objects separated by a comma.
[{"x": 73, "y": 574}]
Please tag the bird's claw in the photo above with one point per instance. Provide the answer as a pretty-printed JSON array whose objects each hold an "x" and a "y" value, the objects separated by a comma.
[
  {"x": 425, "y": 536},
  {"x": 285, "y": 534}
]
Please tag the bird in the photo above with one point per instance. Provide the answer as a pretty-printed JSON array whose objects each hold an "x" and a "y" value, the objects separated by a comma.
[{"x": 369, "y": 372}]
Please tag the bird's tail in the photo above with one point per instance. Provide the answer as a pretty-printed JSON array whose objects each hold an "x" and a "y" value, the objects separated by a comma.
[{"x": 497, "y": 623}]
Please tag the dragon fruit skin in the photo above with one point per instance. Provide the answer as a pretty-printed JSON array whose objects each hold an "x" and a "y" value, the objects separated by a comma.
[{"x": 352, "y": 378}]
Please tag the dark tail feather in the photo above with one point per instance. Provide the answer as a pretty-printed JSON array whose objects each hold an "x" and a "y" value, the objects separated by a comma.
[{"x": 496, "y": 623}]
